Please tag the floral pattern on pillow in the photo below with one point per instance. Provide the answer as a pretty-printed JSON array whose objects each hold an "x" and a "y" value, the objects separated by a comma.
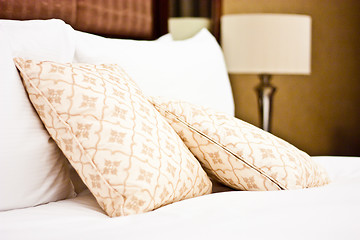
[
  {"x": 122, "y": 148},
  {"x": 239, "y": 154}
]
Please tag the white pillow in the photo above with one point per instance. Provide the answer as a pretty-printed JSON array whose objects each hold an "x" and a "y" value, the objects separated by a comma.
[
  {"x": 32, "y": 168},
  {"x": 192, "y": 70}
]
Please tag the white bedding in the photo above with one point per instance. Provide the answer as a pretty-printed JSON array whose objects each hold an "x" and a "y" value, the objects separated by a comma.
[{"x": 330, "y": 212}]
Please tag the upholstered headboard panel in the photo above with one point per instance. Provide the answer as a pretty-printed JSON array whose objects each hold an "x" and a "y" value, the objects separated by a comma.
[{"x": 138, "y": 19}]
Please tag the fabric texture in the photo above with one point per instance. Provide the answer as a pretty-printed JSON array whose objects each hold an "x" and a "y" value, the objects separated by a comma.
[
  {"x": 238, "y": 154},
  {"x": 33, "y": 170},
  {"x": 330, "y": 212},
  {"x": 124, "y": 151}
]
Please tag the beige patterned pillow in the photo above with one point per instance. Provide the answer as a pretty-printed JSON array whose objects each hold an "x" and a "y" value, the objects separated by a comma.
[
  {"x": 238, "y": 154},
  {"x": 123, "y": 149}
]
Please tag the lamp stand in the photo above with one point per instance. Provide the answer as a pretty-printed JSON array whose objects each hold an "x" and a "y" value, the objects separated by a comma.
[{"x": 265, "y": 93}]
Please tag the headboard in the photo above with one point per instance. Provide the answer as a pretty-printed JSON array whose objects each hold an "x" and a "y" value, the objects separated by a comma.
[{"x": 135, "y": 19}]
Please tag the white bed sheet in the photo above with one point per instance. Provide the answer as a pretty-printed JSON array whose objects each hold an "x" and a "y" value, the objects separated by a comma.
[{"x": 330, "y": 212}]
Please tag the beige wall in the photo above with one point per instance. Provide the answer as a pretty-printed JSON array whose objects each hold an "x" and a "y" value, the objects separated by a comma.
[{"x": 319, "y": 113}]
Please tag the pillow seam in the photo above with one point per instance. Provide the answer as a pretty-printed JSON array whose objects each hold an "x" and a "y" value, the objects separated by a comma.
[{"x": 279, "y": 185}]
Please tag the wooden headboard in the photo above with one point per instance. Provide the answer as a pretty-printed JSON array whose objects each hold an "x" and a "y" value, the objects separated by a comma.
[{"x": 135, "y": 19}]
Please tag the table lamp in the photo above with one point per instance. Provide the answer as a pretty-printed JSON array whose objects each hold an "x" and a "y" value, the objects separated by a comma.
[{"x": 266, "y": 45}]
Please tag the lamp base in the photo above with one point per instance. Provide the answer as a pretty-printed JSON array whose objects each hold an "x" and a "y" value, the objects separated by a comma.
[{"x": 265, "y": 94}]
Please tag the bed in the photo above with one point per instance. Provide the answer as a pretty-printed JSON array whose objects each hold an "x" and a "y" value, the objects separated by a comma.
[
  {"x": 42, "y": 196},
  {"x": 326, "y": 213}
]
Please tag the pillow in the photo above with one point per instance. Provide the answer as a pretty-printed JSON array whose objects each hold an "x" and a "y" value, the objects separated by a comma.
[
  {"x": 40, "y": 39},
  {"x": 125, "y": 152},
  {"x": 192, "y": 70},
  {"x": 32, "y": 167},
  {"x": 238, "y": 154}
]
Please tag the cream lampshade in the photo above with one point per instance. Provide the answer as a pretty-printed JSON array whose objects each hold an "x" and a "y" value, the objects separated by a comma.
[{"x": 266, "y": 44}]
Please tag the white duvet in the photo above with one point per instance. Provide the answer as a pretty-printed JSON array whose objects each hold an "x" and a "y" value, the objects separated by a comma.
[{"x": 330, "y": 212}]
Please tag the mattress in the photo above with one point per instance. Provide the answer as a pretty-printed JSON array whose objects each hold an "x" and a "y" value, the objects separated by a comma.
[{"x": 328, "y": 212}]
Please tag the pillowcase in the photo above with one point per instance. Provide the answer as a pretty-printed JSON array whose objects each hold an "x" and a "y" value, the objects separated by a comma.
[
  {"x": 192, "y": 70},
  {"x": 238, "y": 154},
  {"x": 124, "y": 151},
  {"x": 33, "y": 170}
]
